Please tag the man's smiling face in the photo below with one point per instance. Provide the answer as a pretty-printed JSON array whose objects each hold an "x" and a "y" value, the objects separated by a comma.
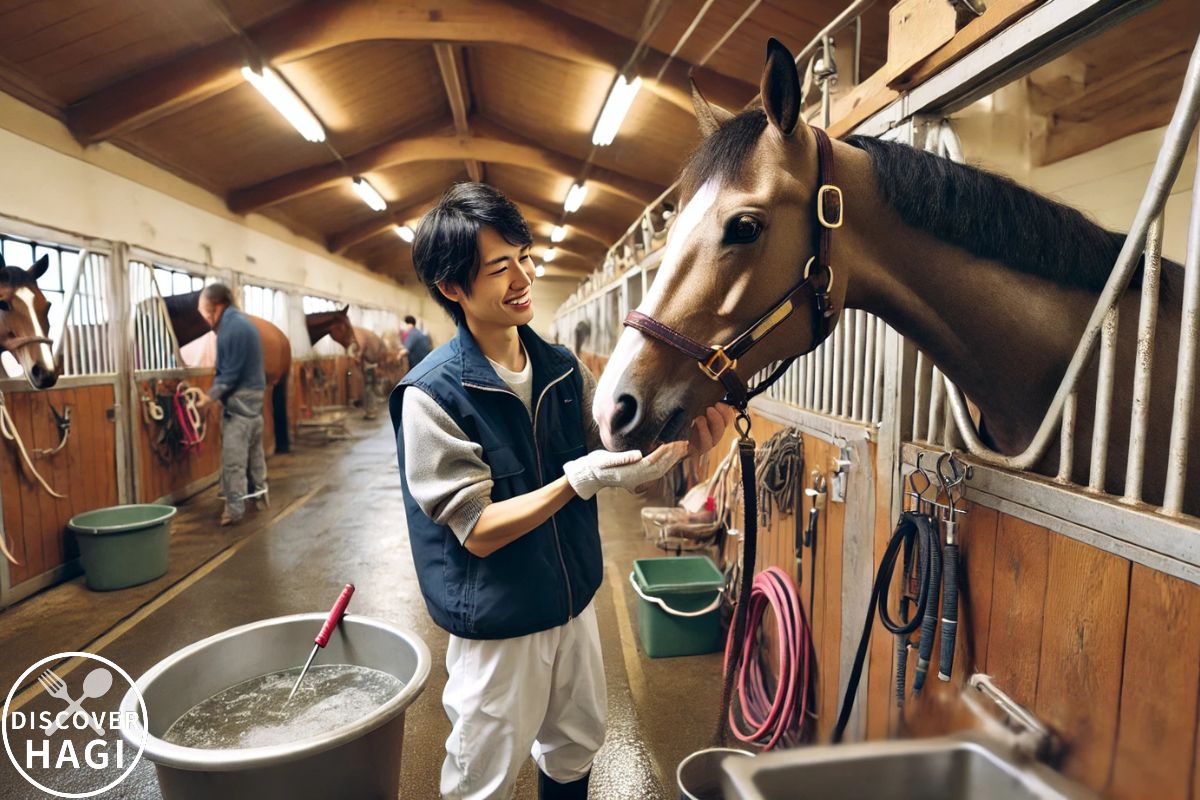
[{"x": 501, "y": 293}]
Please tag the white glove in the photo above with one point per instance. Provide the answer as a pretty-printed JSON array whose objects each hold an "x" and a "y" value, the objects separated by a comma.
[{"x": 627, "y": 470}]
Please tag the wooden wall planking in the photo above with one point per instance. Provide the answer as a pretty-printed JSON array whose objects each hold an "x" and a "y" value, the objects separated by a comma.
[
  {"x": 158, "y": 479},
  {"x": 84, "y": 470},
  {"x": 1104, "y": 651}
]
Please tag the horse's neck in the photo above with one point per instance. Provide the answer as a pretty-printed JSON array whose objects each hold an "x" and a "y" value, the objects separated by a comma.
[{"x": 1002, "y": 336}]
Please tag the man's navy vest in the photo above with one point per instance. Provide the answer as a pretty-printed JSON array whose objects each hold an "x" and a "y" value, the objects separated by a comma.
[{"x": 550, "y": 574}]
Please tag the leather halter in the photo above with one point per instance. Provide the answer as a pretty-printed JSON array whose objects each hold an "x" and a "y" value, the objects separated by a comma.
[
  {"x": 16, "y": 343},
  {"x": 719, "y": 362}
]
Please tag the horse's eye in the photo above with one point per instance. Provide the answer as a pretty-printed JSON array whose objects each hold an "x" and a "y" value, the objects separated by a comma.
[
  {"x": 4, "y": 306},
  {"x": 742, "y": 230}
]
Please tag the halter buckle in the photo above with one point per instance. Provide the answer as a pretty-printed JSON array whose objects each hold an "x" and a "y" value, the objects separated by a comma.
[
  {"x": 823, "y": 193},
  {"x": 715, "y": 373}
]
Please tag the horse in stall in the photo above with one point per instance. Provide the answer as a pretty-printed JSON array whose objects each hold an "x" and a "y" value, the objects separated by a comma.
[
  {"x": 25, "y": 322},
  {"x": 366, "y": 347},
  {"x": 994, "y": 283},
  {"x": 277, "y": 354}
]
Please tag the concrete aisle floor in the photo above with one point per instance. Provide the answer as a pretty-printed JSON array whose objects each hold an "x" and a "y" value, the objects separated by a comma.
[{"x": 345, "y": 523}]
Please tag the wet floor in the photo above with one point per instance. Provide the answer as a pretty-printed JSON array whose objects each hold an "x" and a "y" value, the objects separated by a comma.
[{"x": 337, "y": 517}]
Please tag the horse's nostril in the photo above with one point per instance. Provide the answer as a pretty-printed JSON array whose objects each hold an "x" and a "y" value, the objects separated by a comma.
[
  {"x": 37, "y": 371},
  {"x": 625, "y": 414}
]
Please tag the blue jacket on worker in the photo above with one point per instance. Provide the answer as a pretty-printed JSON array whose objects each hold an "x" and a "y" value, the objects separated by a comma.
[
  {"x": 417, "y": 345},
  {"x": 550, "y": 574},
  {"x": 239, "y": 355}
]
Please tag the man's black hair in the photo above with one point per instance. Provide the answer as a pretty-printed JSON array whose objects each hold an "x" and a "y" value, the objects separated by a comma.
[
  {"x": 446, "y": 244},
  {"x": 410, "y": 319}
]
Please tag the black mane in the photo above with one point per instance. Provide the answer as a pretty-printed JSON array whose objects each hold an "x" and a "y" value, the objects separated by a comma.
[
  {"x": 992, "y": 217},
  {"x": 725, "y": 152}
]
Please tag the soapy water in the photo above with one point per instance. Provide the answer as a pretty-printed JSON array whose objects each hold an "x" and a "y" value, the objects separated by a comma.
[{"x": 257, "y": 713}]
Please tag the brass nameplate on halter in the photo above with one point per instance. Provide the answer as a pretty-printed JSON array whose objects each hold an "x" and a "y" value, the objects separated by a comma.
[
  {"x": 707, "y": 366},
  {"x": 777, "y": 316},
  {"x": 824, "y": 193}
]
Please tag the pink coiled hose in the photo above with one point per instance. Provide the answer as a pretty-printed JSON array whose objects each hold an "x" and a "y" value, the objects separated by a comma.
[{"x": 757, "y": 717}]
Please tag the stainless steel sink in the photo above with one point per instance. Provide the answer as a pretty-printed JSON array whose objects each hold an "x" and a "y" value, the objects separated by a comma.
[{"x": 920, "y": 769}]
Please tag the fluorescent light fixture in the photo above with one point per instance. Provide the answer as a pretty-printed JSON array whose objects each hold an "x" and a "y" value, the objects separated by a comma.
[
  {"x": 368, "y": 194},
  {"x": 620, "y": 98},
  {"x": 286, "y": 102},
  {"x": 549, "y": 255},
  {"x": 404, "y": 232},
  {"x": 559, "y": 233},
  {"x": 575, "y": 197},
  {"x": 539, "y": 271}
]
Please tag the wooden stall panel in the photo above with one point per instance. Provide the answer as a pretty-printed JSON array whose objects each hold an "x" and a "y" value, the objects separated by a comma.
[
  {"x": 160, "y": 476},
  {"x": 85, "y": 470},
  {"x": 1019, "y": 593},
  {"x": 1156, "y": 744},
  {"x": 1083, "y": 641}
]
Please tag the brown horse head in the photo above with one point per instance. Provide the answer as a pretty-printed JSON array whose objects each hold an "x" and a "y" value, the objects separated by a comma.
[
  {"x": 25, "y": 322},
  {"x": 740, "y": 243},
  {"x": 334, "y": 323}
]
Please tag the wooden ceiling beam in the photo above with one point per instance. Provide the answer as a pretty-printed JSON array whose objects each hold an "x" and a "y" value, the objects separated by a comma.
[
  {"x": 458, "y": 93},
  {"x": 493, "y": 145},
  {"x": 310, "y": 28}
]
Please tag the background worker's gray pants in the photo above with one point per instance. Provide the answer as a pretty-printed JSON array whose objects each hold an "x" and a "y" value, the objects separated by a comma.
[{"x": 242, "y": 449}]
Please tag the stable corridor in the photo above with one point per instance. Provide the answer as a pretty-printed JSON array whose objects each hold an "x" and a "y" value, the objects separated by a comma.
[{"x": 337, "y": 517}]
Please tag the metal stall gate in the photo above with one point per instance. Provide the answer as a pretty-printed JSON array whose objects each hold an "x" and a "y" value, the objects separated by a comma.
[{"x": 72, "y": 433}]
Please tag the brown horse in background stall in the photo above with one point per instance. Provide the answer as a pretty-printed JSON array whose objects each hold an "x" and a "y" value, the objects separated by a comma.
[
  {"x": 25, "y": 322},
  {"x": 277, "y": 354}
]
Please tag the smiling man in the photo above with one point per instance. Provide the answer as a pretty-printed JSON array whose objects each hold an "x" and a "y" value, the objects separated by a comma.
[{"x": 500, "y": 462}]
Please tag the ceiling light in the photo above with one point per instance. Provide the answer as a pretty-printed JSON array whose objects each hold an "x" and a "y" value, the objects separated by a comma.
[
  {"x": 559, "y": 233},
  {"x": 539, "y": 271},
  {"x": 286, "y": 102},
  {"x": 575, "y": 197},
  {"x": 368, "y": 194},
  {"x": 620, "y": 98},
  {"x": 404, "y": 232},
  {"x": 549, "y": 255}
]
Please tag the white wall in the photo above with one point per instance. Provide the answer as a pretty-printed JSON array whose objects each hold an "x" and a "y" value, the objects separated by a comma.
[{"x": 104, "y": 192}]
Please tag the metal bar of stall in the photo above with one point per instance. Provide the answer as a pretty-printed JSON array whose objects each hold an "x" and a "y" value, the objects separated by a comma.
[
  {"x": 880, "y": 363},
  {"x": 1104, "y": 392},
  {"x": 1139, "y": 420},
  {"x": 835, "y": 355},
  {"x": 1066, "y": 446},
  {"x": 860, "y": 356},
  {"x": 918, "y": 397},
  {"x": 93, "y": 295},
  {"x": 936, "y": 393},
  {"x": 1185, "y": 380},
  {"x": 827, "y": 376},
  {"x": 869, "y": 368},
  {"x": 88, "y": 316}
]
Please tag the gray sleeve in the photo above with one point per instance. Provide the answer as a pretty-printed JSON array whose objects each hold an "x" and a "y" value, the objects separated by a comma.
[
  {"x": 591, "y": 431},
  {"x": 445, "y": 470}
]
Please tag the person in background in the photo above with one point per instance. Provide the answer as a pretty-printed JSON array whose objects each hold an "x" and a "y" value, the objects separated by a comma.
[
  {"x": 500, "y": 463},
  {"x": 416, "y": 341},
  {"x": 239, "y": 385}
]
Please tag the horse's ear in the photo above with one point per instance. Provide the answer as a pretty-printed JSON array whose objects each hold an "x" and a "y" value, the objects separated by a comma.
[
  {"x": 344, "y": 309},
  {"x": 781, "y": 88},
  {"x": 708, "y": 115},
  {"x": 39, "y": 267}
]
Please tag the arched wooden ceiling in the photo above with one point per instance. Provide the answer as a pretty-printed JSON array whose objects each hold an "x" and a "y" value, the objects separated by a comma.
[{"x": 413, "y": 95}]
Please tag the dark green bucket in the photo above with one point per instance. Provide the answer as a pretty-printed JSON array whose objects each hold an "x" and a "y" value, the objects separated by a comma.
[
  {"x": 123, "y": 545},
  {"x": 680, "y": 609}
]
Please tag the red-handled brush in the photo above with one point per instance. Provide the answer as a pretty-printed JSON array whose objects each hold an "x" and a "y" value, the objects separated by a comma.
[{"x": 335, "y": 616}]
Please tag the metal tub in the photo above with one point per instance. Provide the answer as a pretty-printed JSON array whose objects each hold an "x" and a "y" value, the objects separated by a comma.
[{"x": 360, "y": 760}]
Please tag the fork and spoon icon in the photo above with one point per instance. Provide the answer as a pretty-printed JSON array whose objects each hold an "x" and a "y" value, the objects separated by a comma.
[{"x": 96, "y": 684}]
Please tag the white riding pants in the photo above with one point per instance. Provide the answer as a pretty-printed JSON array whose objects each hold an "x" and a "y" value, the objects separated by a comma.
[{"x": 542, "y": 694}]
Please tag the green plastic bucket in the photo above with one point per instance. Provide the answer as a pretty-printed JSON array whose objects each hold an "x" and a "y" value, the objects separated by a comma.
[
  {"x": 123, "y": 545},
  {"x": 680, "y": 609}
]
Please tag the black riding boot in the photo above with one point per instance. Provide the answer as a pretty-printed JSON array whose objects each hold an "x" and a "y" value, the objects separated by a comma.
[{"x": 550, "y": 789}]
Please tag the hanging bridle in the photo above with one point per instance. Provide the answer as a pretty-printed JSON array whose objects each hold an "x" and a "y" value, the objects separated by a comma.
[{"x": 719, "y": 363}]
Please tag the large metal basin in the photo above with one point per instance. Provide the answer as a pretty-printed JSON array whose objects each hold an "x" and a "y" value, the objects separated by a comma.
[
  {"x": 360, "y": 760},
  {"x": 915, "y": 769}
]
